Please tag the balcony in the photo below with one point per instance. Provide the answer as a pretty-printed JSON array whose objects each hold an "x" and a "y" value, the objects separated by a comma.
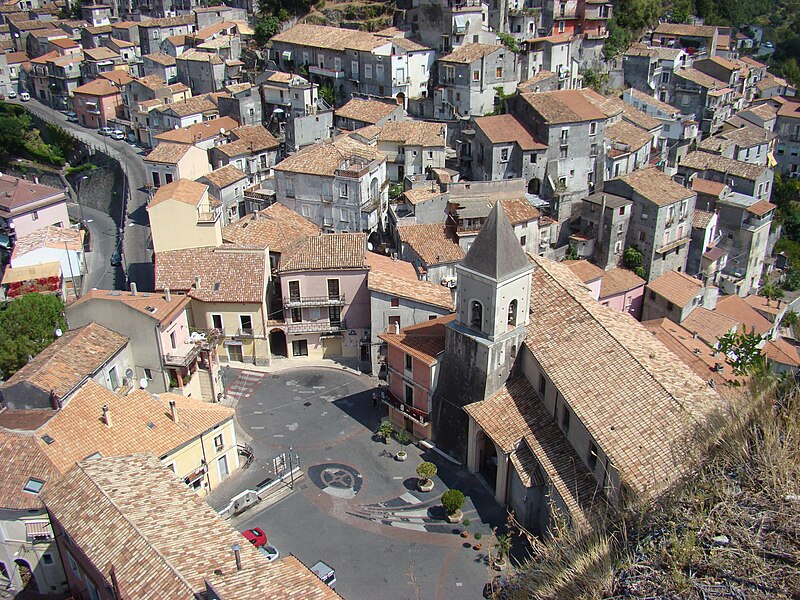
[
  {"x": 302, "y": 301},
  {"x": 182, "y": 356},
  {"x": 322, "y": 71},
  {"x": 247, "y": 332},
  {"x": 208, "y": 217},
  {"x": 321, "y": 326},
  {"x": 596, "y": 35},
  {"x": 415, "y": 414}
]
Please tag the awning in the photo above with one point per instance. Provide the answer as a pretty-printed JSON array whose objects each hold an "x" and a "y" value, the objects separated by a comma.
[
  {"x": 195, "y": 475},
  {"x": 38, "y": 530},
  {"x": 287, "y": 55},
  {"x": 232, "y": 343}
]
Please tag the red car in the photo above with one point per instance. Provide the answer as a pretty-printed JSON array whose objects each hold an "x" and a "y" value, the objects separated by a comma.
[{"x": 255, "y": 536}]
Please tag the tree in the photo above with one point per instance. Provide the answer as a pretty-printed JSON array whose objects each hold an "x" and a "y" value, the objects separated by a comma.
[
  {"x": 637, "y": 15},
  {"x": 742, "y": 352},
  {"x": 681, "y": 11},
  {"x": 426, "y": 470},
  {"x": 28, "y": 326},
  {"x": 618, "y": 40},
  {"x": 770, "y": 292},
  {"x": 265, "y": 28},
  {"x": 509, "y": 41},
  {"x": 452, "y": 500},
  {"x": 327, "y": 93},
  {"x": 791, "y": 71},
  {"x": 571, "y": 254},
  {"x": 634, "y": 260},
  {"x": 789, "y": 319}
]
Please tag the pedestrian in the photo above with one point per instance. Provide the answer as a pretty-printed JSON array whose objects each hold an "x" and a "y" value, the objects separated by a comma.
[{"x": 375, "y": 399}]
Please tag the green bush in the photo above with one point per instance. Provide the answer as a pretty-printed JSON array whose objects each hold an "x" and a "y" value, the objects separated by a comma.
[
  {"x": 426, "y": 470},
  {"x": 386, "y": 430},
  {"x": 452, "y": 500},
  {"x": 402, "y": 436}
]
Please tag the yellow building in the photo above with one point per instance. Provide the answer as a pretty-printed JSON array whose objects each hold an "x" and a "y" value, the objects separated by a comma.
[
  {"x": 228, "y": 286},
  {"x": 183, "y": 215}
]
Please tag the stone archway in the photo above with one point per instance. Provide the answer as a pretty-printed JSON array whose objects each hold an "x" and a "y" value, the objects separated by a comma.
[
  {"x": 401, "y": 99},
  {"x": 534, "y": 186},
  {"x": 26, "y": 575}
]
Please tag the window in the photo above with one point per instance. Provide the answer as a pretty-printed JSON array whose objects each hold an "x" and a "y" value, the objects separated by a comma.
[
  {"x": 219, "y": 443},
  {"x": 335, "y": 315},
  {"x": 564, "y": 153},
  {"x": 344, "y": 190},
  {"x": 47, "y": 559},
  {"x": 172, "y": 340},
  {"x": 642, "y": 236},
  {"x": 148, "y": 374},
  {"x": 542, "y": 385},
  {"x": 333, "y": 289},
  {"x": 618, "y": 247},
  {"x": 512, "y": 313},
  {"x": 670, "y": 306},
  {"x": 367, "y": 71},
  {"x": 408, "y": 395},
  {"x": 476, "y": 314},
  {"x": 113, "y": 377},
  {"x": 379, "y": 71},
  {"x": 592, "y": 456},
  {"x": 504, "y": 155},
  {"x": 344, "y": 216},
  {"x": 565, "y": 418},
  {"x": 564, "y": 135},
  {"x": 33, "y": 486},
  {"x": 498, "y": 72},
  {"x": 523, "y": 240},
  {"x": 156, "y": 180},
  {"x": 394, "y": 324},
  {"x": 652, "y": 295},
  {"x": 300, "y": 348},
  {"x": 222, "y": 465},
  {"x": 290, "y": 187},
  {"x": 621, "y": 213},
  {"x": 246, "y": 323},
  {"x": 593, "y": 150},
  {"x": 168, "y": 177},
  {"x": 592, "y": 128},
  {"x": 216, "y": 321},
  {"x": 4, "y": 571},
  {"x": 297, "y": 315},
  {"x": 409, "y": 363},
  {"x": 394, "y": 302}
]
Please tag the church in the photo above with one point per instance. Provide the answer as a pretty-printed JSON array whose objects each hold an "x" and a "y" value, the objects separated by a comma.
[{"x": 552, "y": 398}]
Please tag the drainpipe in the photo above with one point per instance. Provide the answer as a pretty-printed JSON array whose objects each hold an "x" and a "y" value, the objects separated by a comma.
[{"x": 205, "y": 462}]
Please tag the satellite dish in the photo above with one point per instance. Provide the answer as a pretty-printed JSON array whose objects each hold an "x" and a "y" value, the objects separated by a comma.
[
  {"x": 369, "y": 246},
  {"x": 58, "y": 332},
  {"x": 129, "y": 373},
  {"x": 143, "y": 383},
  {"x": 222, "y": 130},
  {"x": 176, "y": 127}
]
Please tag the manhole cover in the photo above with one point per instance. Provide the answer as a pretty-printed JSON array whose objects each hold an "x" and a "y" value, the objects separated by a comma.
[
  {"x": 336, "y": 479},
  {"x": 306, "y": 404}
]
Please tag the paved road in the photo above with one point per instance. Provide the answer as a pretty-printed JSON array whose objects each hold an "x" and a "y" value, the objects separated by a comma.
[
  {"x": 103, "y": 239},
  {"x": 137, "y": 227},
  {"x": 356, "y": 507}
]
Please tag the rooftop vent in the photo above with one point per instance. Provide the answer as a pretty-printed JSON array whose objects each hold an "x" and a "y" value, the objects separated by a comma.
[{"x": 47, "y": 439}]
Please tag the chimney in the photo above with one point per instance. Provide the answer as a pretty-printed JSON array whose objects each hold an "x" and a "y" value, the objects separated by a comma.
[
  {"x": 197, "y": 282},
  {"x": 237, "y": 553},
  {"x": 173, "y": 411},
  {"x": 106, "y": 415},
  {"x": 133, "y": 288},
  {"x": 167, "y": 295}
]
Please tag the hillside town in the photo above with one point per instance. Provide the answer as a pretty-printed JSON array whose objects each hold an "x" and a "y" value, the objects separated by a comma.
[{"x": 312, "y": 306}]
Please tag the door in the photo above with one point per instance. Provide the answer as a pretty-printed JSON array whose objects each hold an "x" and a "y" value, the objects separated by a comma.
[
  {"x": 331, "y": 347},
  {"x": 235, "y": 353},
  {"x": 222, "y": 464}
]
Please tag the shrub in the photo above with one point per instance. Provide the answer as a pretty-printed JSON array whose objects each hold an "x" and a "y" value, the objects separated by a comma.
[
  {"x": 478, "y": 535},
  {"x": 386, "y": 430},
  {"x": 452, "y": 500},
  {"x": 426, "y": 470},
  {"x": 402, "y": 436},
  {"x": 466, "y": 522}
]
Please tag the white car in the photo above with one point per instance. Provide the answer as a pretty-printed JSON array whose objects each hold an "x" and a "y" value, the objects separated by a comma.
[
  {"x": 25, "y": 96},
  {"x": 105, "y": 131},
  {"x": 12, "y": 94},
  {"x": 117, "y": 134},
  {"x": 72, "y": 117},
  {"x": 271, "y": 552}
]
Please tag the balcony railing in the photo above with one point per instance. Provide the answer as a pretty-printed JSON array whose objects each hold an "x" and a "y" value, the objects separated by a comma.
[
  {"x": 182, "y": 356},
  {"x": 334, "y": 74},
  {"x": 321, "y": 326},
  {"x": 245, "y": 332},
  {"x": 208, "y": 217},
  {"x": 301, "y": 301},
  {"x": 415, "y": 414}
]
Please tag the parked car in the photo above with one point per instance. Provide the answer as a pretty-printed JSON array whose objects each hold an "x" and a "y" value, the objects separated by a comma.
[
  {"x": 116, "y": 259},
  {"x": 271, "y": 552},
  {"x": 12, "y": 94},
  {"x": 117, "y": 134},
  {"x": 105, "y": 131},
  {"x": 326, "y": 573},
  {"x": 24, "y": 96},
  {"x": 255, "y": 536},
  {"x": 73, "y": 117}
]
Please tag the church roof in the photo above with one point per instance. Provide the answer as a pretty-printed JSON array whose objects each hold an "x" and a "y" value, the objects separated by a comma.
[{"x": 496, "y": 251}]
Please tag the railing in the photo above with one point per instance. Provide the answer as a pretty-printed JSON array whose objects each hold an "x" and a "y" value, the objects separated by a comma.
[
  {"x": 300, "y": 301},
  {"x": 182, "y": 356},
  {"x": 321, "y": 326},
  {"x": 245, "y": 332},
  {"x": 326, "y": 72},
  {"x": 415, "y": 414},
  {"x": 208, "y": 217}
]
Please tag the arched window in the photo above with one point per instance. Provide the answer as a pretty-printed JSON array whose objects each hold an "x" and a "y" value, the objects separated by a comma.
[
  {"x": 476, "y": 314},
  {"x": 512, "y": 313}
]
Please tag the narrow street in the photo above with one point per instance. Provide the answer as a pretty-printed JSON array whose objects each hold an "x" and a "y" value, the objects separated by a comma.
[
  {"x": 103, "y": 237},
  {"x": 138, "y": 259}
]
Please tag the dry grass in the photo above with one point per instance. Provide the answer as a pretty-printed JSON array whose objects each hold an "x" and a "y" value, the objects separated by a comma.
[{"x": 729, "y": 530}]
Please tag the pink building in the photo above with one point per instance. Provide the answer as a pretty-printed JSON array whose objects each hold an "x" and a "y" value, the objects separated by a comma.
[
  {"x": 619, "y": 289},
  {"x": 324, "y": 297},
  {"x": 413, "y": 356},
  {"x": 96, "y": 102},
  {"x": 26, "y": 206}
]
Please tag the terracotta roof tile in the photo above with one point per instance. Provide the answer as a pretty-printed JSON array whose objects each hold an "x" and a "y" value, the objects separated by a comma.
[
  {"x": 709, "y": 325},
  {"x": 702, "y": 218},
  {"x": 160, "y": 58},
  {"x": 16, "y": 192},
  {"x": 366, "y": 111},
  {"x": 628, "y": 135},
  {"x": 424, "y": 341},
  {"x": 325, "y": 252},
  {"x": 416, "y": 196},
  {"x": 708, "y": 187},
  {"x": 224, "y": 176},
  {"x": 635, "y": 399},
  {"x": 678, "y": 288},
  {"x": 616, "y": 281},
  {"x": 655, "y": 186},
  {"x": 65, "y": 363},
  {"x": 174, "y": 542},
  {"x": 469, "y": 53},
  {"x": 49, "y": 237},
  {"x": 748, "y": 317},
  {"x": 413, "y": 133},
  {"x": 151, "y": 304},
  {"x": 705, "y": 161},
  {"x": 326, "y": 157},
  {"x": 199, "y": 131},
  {"x": 431, "y": 242},
  {"x": 167, "y": 153},
  {"x": 686, "y": 30},
  {"x": 399, "y": 278},
  {"x": 332, "y": 38},
  {"x": 247, "y": 139},
  {"x": 563, "y": 106},
  {"x": 584, "y": 270},
  {"x": 519, "y": 210},
  {"x": 227, "y": 273},
  {"x": 22, "y": 460},
  {"x": 761, "y": 207},
  {"x": 276, "y": 227},
  {"x": 182, "y": 190},
  {"x": 503, "y": 129}
]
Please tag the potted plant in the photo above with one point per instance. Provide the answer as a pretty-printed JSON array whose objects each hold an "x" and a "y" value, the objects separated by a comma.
[
  {"x": 401, "y": 455},
  {"x": 426, "y": 471},
  {"x": 478, "y": 545},
  {"x": 503, "y": 547},
  {"x": 452, "y": 501},
  {"x": 402, "y": 437},
  {"x": 385, "y": 431}
]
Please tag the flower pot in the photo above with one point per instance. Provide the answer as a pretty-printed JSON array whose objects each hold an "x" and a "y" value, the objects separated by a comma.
[
  {"x": 465, "y": 534},
  {"x": 425, "y": 485},
  {"x": 500, "y": 564},
  {"x": 455, "y": 517},
  {"x": 477, "y": 546},
  {"x": 401, "y": 455}
]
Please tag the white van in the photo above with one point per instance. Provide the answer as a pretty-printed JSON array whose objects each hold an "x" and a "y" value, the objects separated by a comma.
[
  {"x": 326, "y": 573},
  {"x": 24, "y": 96}
]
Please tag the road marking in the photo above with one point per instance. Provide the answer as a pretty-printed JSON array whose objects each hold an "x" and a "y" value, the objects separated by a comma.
[
  {"x": 458, "y": 584},
  {"x": 322, "y": 414},
  {"x": 247, "y": 395},
  {"x": 279, "y": 435},
  {"x": 257, "y": 427},
  {"x": 292, "y": 426},
  {"x": 398, "y": 477},
  {"x": 305, "y": 392},
  {"x": 258, "y": 412},
  {"x": 319, "y": 387},
  {"x": 413, "y": 526}
]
